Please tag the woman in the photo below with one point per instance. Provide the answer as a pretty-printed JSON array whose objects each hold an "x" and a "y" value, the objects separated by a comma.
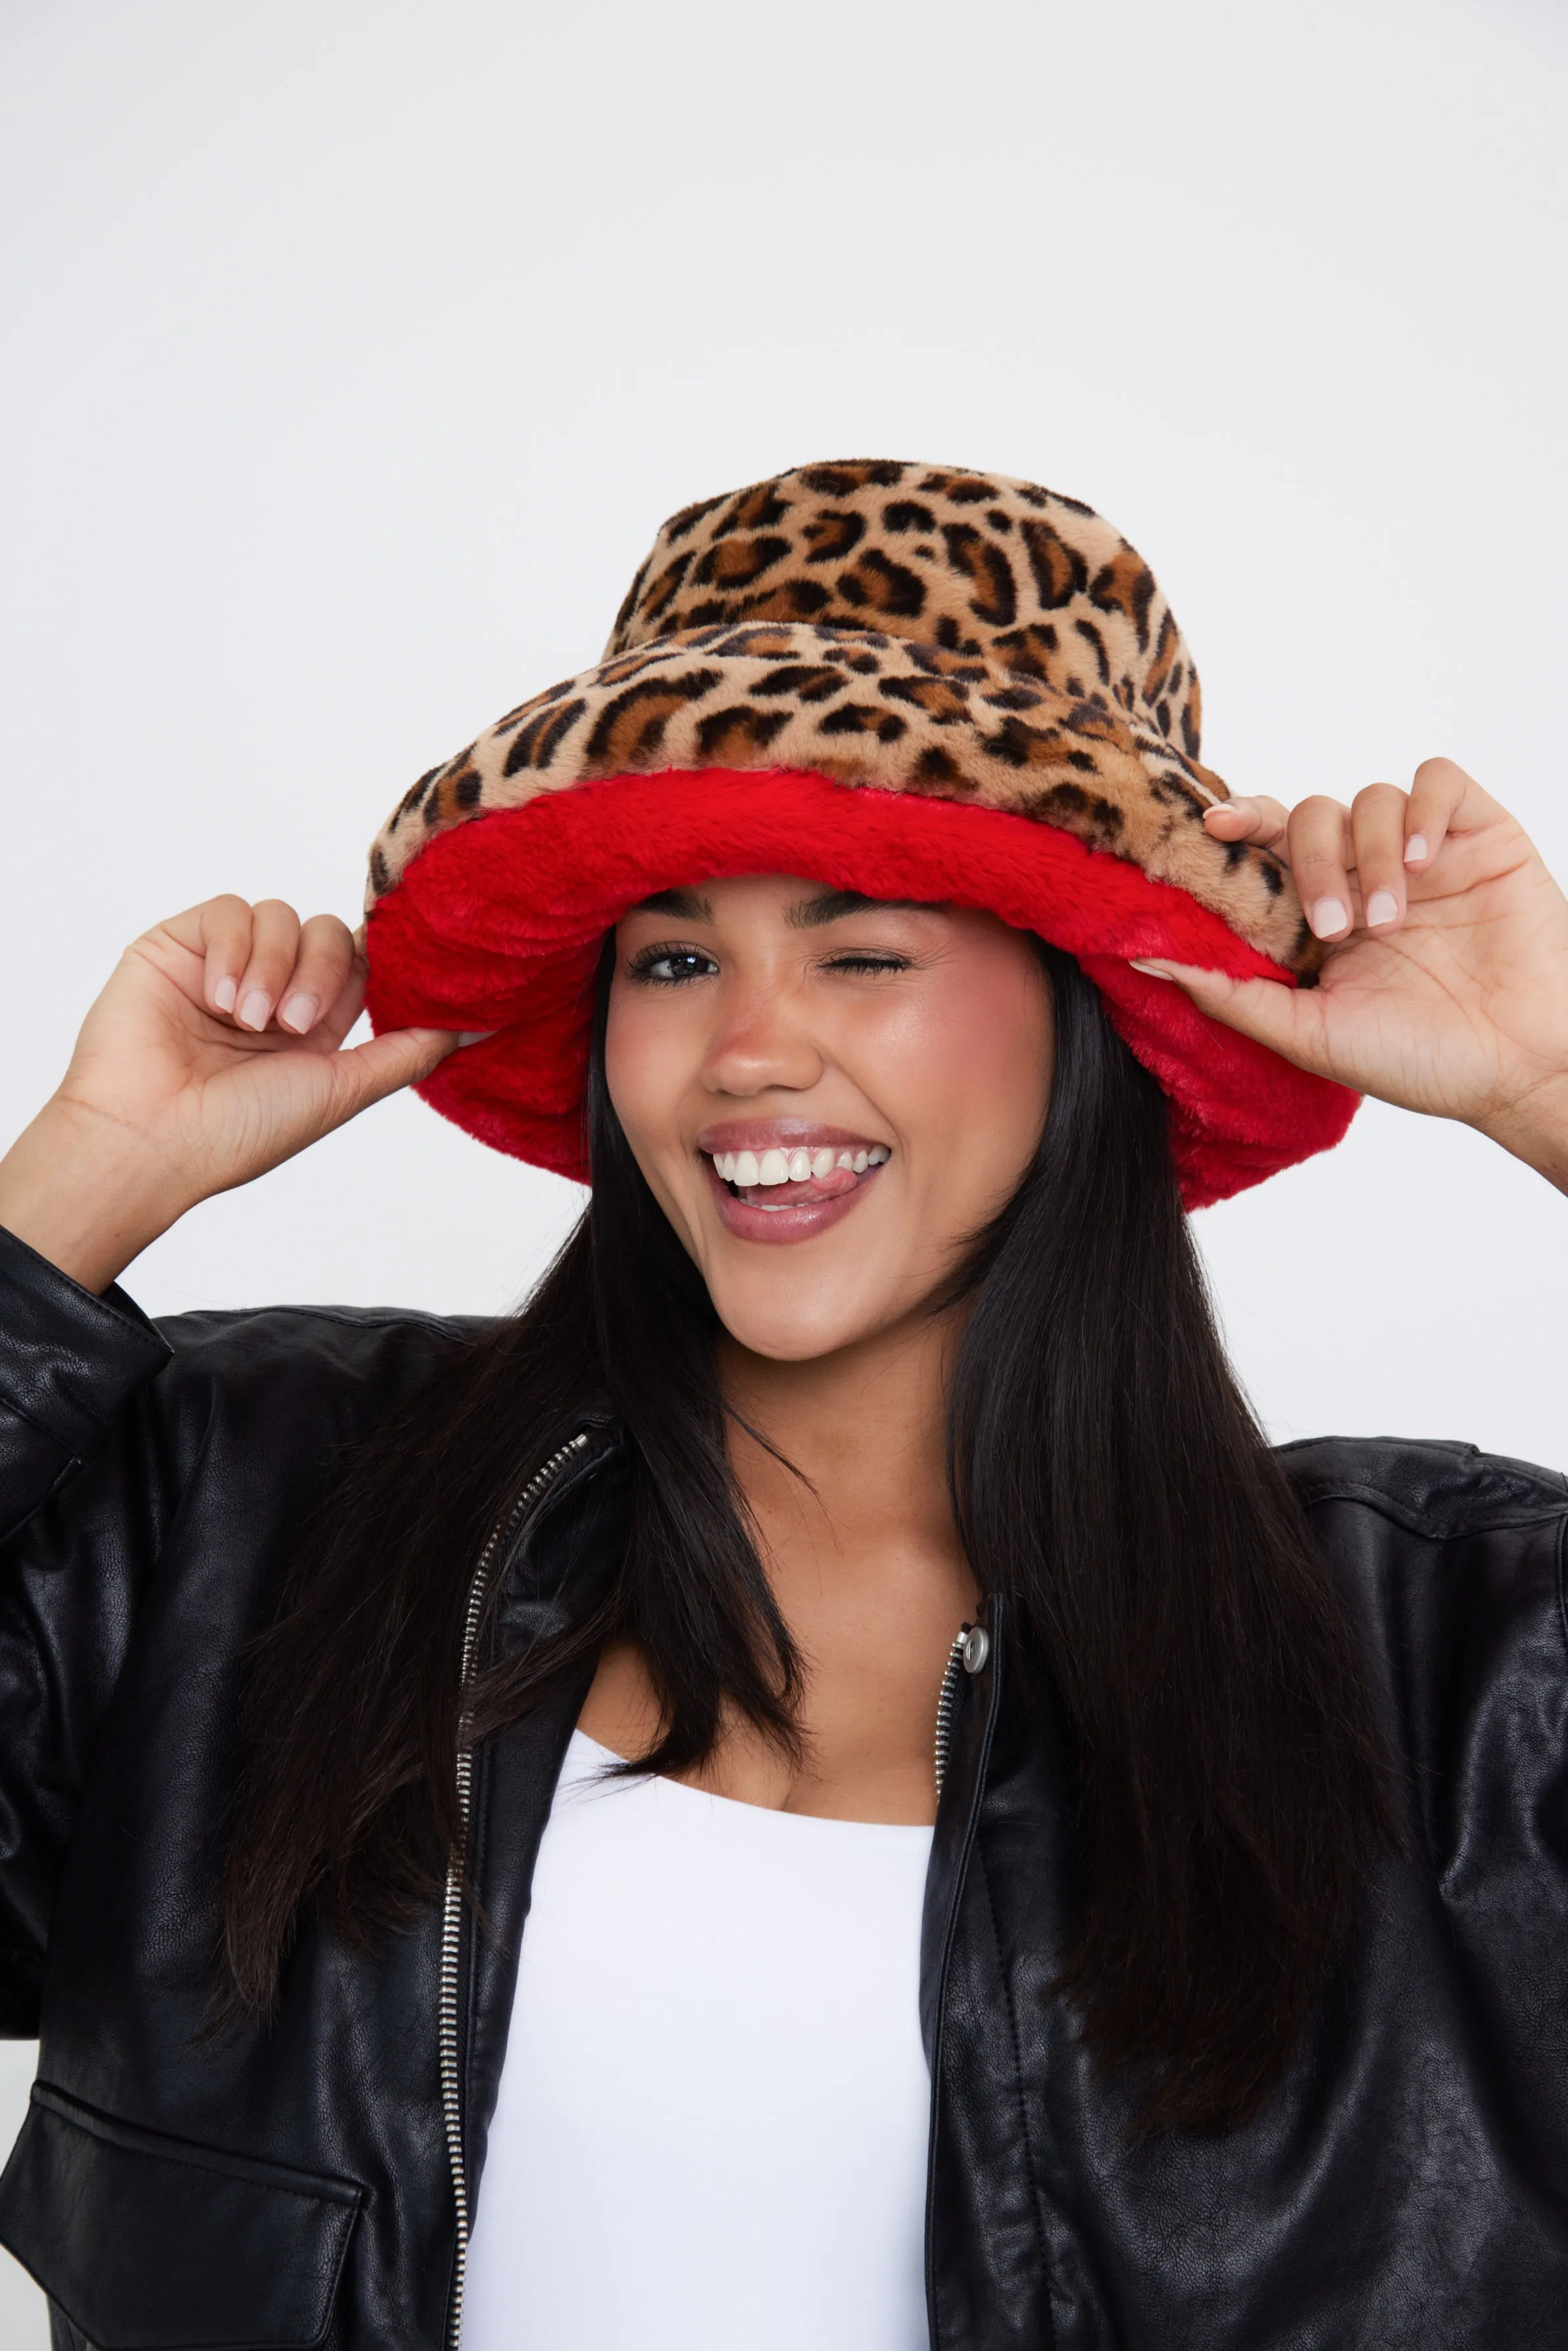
[{"x": 1007, "y": 1860}]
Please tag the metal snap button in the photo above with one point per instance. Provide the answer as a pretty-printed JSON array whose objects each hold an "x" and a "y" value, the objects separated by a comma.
[{"x": 977, "y": 1649}]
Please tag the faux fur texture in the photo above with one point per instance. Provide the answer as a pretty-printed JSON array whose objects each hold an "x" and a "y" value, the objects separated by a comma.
[
  {"x": 497, "y": 925},
  {"x": 914, "y": 629}
]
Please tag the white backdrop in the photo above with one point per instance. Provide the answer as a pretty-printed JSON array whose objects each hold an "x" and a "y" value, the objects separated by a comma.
[{"x": 354, "y": 349}]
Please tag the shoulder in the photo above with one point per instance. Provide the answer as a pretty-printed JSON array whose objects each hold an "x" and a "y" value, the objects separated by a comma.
[
  {"x": 321, "y": 1367},
  {"x": 237, "y": 1341},
  {"x": 1451, "y": 1563},
  {"x": 1434, "y": 1488}
]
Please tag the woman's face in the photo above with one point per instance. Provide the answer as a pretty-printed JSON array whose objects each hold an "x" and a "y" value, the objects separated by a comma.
[{"x": 829, "y": 1096}]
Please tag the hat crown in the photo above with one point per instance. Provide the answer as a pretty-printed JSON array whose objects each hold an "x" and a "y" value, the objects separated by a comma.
[{"x": 977, "y": 565}]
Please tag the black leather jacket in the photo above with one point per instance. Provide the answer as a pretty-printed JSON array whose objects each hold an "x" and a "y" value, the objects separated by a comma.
[{"x": 1406, "y": 2191}]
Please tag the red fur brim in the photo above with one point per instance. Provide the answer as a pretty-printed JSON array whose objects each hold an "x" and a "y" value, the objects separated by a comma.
[{"x": 498, "y": 925}]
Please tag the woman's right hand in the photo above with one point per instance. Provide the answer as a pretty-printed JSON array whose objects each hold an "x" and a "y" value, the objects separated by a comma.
[{"x": 214, "y": 1052}]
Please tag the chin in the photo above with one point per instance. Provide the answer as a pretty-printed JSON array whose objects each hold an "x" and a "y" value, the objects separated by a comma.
[
  {"x": 781, "y": 1345},
  {"x": 798, "y": 1329}
]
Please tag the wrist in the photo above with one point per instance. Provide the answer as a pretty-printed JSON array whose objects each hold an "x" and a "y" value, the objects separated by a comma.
[
  {"x": 85, "y": 1192},
  {"x": 1535, "y": 1128}
]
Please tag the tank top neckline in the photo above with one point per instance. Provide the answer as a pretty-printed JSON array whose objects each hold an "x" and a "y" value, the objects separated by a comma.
[{"x": 587, "y": 1748}]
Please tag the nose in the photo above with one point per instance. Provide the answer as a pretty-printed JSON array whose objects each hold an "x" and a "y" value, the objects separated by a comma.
[{"x": 760, "y": 1041}]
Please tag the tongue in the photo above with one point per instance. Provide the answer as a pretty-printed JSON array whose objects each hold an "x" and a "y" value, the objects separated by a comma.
[{"x": 831, "y": 1187}]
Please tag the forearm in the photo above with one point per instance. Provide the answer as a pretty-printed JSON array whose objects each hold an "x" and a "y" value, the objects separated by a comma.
[{"x": 84, "y": 1194}]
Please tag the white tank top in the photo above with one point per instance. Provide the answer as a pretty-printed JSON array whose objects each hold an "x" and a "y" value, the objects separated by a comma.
[{"x": 711, "y": 2130}]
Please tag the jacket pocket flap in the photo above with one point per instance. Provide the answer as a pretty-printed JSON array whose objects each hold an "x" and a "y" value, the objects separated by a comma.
[{"x": 149, "y": 2243}]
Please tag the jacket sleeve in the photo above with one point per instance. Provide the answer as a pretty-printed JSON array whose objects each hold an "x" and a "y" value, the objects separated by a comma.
[
  {"x": 68, "y": 1364},
  {"x": 80, "y": 1517}
]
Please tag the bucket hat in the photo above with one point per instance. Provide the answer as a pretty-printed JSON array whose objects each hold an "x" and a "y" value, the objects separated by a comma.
[{"x": 910, "y": 681}]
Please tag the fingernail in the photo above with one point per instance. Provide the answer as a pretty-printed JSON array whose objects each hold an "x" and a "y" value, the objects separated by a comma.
[
  {"x": 1155, "y": 970},
  {"x": 255, "y": 1010},
  {"x": 224, "y": 994},
  {"x": 1415, "y": 849},
  {"x": 1383, "y": 906},
  {"x": 299, "y": 1013},
  {"x": 1327, "y": 917}
]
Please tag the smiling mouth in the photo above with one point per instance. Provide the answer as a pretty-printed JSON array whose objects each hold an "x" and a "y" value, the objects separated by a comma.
[
  {"x": 777, "y": 1179},
  {"x": 787, "y": 1179}
]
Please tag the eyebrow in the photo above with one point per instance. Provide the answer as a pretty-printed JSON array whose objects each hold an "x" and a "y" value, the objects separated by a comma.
[
  {"x": 685, "y": 906},
  {"x": 830, "y": 905},
  {"x": 806, "y": 914}
]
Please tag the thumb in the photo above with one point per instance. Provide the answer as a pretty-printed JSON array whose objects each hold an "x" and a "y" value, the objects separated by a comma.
[
  {"x": 1288, "y": 1020},
  {"x": 367, "y": 1074}
]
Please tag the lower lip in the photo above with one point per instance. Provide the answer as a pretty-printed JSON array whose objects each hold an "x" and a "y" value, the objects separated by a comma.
[{"x": 800, "y": 1224}]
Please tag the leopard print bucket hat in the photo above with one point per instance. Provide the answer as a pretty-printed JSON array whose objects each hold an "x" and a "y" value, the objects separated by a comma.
[{"x": 912, "y": 681}]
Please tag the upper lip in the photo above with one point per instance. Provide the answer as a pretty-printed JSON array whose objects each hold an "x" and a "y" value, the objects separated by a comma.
[{"x": 761, "y": 1134}]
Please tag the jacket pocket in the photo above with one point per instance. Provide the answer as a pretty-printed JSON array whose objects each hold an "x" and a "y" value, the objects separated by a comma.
[{"x": 147, "y": 2243}]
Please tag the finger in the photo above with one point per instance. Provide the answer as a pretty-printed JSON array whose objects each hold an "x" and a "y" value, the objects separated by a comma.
[
  {"x": 1319, "y": 852},
  {"x": 367, "y": 1074},
  {"x": 322, "y": 963},
  {"x": 1288, "y": 1020},
  {"x": 219, "y": 931},
  {"x": 1378, "y": 840},
  {"x": 1443, "y": 800},
  {"x": 1260, "y": 820},
  {"x": 274, "y": 944},
  {"x": 345, "y": 1007}
]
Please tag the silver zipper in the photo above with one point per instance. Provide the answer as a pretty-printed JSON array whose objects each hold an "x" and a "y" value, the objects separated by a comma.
[
  {"x": 972, "y": 1652},
  {"x": 971, "y": 1649},
  {"x": 945, "y": 1702},
  {"x": 452, "y": 1908}
]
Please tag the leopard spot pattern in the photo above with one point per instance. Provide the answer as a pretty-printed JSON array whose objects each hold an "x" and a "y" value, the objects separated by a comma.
[{"x": 893, "y": 627}]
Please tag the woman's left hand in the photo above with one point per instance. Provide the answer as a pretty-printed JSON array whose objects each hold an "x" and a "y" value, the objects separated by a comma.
[{"x": 1446, "y": 986}]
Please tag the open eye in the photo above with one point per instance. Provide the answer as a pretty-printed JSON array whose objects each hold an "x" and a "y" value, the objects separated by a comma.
[{"x": 666, "y": 966}]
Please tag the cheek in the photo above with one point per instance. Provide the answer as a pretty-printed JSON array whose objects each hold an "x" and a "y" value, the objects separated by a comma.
[
  {"x": 967, "y": 1073},
  {"x": 648, "y": 1063}
]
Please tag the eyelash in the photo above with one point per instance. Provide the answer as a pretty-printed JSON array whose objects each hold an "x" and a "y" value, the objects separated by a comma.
[{"x": 644, "y": 966}]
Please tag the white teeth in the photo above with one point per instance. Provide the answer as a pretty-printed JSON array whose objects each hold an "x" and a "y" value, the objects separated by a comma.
[{"x": 747, "y": 1169}]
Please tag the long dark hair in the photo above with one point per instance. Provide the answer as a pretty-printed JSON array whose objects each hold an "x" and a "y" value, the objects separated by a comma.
[{"x": 1108, "y": 1477}]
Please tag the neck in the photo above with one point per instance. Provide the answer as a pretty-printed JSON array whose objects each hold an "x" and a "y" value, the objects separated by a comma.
[
  {"x": 866, "y": 1569},
  {"x": 866, "y": 1428}
]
